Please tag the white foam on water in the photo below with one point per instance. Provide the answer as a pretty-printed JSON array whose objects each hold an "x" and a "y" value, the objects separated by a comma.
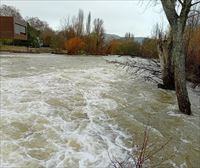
[
  {"x": 59, "y": 117},
  {"x": 83, "y": 142},
  {"x": 172, "y": 113}
]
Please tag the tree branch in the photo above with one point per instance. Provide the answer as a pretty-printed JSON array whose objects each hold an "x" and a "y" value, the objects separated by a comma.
[
  {"x": 152, "y": 67},
  {"x": 169, "y": 8},
  {"x": 190, "y": 16},
  {"x": 195, "y": 11},
  {"x": 195, "y": 3},
  {"x": 184, "y": 12},
  {"x": 181, "y": 2}
]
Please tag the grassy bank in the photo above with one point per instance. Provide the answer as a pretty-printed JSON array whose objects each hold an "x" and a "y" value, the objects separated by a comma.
[{"x": 22, "y": 49}]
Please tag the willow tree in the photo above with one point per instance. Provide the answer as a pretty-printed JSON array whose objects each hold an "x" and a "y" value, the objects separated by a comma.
[{"x": 177, "y": 12}]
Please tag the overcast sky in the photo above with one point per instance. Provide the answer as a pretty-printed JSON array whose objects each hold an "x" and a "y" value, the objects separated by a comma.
[{"x": 136, "y": 16}]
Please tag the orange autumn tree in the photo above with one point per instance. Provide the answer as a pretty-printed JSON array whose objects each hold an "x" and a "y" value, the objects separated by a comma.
[
  {"x": 75, "y": 45},
  {"x": 114, "y": 46}
]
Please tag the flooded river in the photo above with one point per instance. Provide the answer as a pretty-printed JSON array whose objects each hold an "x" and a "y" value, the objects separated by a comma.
[{"x": 70, "y": 112}]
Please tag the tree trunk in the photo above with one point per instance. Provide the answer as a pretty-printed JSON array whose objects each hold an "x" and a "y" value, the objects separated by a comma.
[
  {"x": 177, "y": 21},
  {"x": 165, "y": 55},
  {"x": 179, "y": 69},
  {"x": 168, "y": 78}
]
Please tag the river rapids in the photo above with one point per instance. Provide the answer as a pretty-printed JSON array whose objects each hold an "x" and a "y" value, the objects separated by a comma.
[{"x": 82, "y": 112}]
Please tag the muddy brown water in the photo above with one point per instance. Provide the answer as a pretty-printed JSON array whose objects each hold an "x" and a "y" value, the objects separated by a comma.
[{"x": 59, "y": 111}]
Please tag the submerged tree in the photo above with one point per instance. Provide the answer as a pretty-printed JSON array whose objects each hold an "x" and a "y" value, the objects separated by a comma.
[
  {"x": 177, "y": 12},
  {"x": 164, "y": 47}
]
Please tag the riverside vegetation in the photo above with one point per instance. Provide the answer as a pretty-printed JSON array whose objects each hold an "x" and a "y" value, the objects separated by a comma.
[{"x": 176, "y": 49}]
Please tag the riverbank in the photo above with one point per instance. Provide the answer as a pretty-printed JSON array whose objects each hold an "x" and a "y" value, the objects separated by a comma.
[
  {"x": 22, "y": 49},
  {"x": 192, "y": 72}
]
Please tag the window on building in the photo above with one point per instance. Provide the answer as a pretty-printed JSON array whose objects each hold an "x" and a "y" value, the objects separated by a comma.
[{"x": 19, "y": 29}]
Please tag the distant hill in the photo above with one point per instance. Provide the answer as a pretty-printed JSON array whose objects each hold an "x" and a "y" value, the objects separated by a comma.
[
  {"x": 139, "y": 39},
  {"x": 109, "y": 37}
]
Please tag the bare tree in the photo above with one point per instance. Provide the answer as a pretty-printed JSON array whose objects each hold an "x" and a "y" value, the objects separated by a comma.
[
  {"x": 64, "y": 25},
  {"x": 37, "y": 23},
  {"x": 99, "y": 32},
  {"x": 129, "y": 36},
  {"x": 177, "y": 12},
  {"x": 88, "y": 24},
  {"x": 79, "y": 23},
  {"x": 73, "y": 26},
  {"x": 98, "y": 27},
  {"x": 10, "y": 11}
]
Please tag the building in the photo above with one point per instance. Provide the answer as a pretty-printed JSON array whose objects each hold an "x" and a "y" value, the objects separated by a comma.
[{"x": 12, "y": 28}]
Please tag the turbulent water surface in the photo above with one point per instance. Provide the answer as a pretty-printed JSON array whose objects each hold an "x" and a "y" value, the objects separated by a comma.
[{"x": 59, "y": 111}]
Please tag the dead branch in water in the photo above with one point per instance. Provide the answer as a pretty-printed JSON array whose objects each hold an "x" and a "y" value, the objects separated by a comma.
[
  {"x": 140, "y": 154},
  {"x": 150, "y": 71}
]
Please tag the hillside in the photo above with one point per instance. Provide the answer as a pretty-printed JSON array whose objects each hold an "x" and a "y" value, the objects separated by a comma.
[{"x": 109, "y": 37}]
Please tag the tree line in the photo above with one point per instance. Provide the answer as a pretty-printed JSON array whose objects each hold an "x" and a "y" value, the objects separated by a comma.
[
  {"x": 79, "y": 35},
  {"x": 178, "y": 49}
]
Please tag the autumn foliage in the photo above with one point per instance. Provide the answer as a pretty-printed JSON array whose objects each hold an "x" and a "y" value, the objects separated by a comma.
[
  {"x": 75, "y": 45},
  {"x": 113, "y": 46}
]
